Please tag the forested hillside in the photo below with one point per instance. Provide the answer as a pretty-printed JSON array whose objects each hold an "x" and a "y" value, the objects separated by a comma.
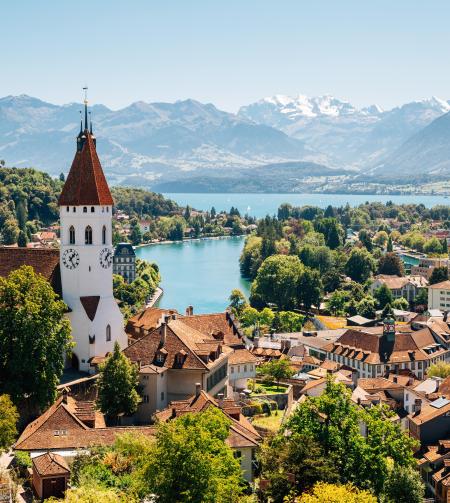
[{"x": 29, "y": 202}]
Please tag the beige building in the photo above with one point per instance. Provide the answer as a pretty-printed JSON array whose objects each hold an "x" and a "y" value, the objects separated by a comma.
[
  {"x": 427, "y": 265},
  {"x": 172, "y": 359},
  {"x": 406, "y": 286},
  {"x": 376, "y": 351},
  {"x": 242, "y": 437},
  {"x": 439, "y": 296}
]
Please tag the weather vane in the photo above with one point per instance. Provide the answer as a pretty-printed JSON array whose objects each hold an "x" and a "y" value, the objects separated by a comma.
[{"x": 85, "y": 89}]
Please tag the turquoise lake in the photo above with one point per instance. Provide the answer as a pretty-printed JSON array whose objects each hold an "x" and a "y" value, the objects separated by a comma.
[
  {"x": 200, "y": 273},
  {"x": 260, "y": 205}
]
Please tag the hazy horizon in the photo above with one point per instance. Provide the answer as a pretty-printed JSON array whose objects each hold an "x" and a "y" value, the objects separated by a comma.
[{"x": 229, "y": 54}]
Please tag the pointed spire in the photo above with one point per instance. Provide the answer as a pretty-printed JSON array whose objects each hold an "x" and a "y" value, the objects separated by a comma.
[
  {"x": 90, "y": 123},
  {"x": 85, "y": 108},
  {"x": 81, "y": 124}
]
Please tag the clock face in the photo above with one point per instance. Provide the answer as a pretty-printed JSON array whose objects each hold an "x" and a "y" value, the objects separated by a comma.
[
  {"x": 70, "y": 258},
  {"x": 106, "y": 258}
]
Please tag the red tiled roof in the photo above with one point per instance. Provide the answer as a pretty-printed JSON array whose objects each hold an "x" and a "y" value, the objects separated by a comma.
[
  {"x": 60, "y": 428},
  {"x": 242, "y": 356},
  {"x": 218, "y": 325},
  {"x": 86, "y": 182},
  {"x": 44, "y": 261},
  {"x": 50, "y": 464},
  {"x": 90, "y": 304},
  {"x": 241, "y": 434}
]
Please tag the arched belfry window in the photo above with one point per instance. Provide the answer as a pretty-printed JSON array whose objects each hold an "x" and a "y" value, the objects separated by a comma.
[
  {"x": 88, "y": 235},
  {"x": 72, "y": 235},
  {"x": 104, "y": 235},
  {"x": 108, "y": 333}
]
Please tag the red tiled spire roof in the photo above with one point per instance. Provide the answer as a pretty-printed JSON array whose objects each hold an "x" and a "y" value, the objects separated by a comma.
[{"x": 86, "y": 183}]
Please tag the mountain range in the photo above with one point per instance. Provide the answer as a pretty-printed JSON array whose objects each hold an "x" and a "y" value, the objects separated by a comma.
[{"x": 192, "y": 144}]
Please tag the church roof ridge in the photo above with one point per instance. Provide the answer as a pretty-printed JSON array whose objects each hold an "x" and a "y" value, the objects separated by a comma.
[{"x": 86, "y": 183}]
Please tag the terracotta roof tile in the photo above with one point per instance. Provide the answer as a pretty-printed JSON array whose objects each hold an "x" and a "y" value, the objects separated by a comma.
[
  {"x": 44, "y": 261},
  {"x": 242, "y": 356},
  {"x": 218, "y": 325},
  {"x": 86, "y": 182},
  {"x": 50, "y": 464},
  {"x": 148, "y": 319}
]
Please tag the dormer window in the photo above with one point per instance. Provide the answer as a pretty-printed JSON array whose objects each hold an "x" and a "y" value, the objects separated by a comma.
[
  {"x": 180, "y": 357},
  {"x": 159, "y": 357}
]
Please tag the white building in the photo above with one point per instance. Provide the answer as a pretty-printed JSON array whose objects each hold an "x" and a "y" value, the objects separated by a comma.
[
  {"x": 241, "y": 368},
  {"x": 406, "y": 286},
  {"x": 86, "y": 256},
  {"x": 439, "y": 296}
]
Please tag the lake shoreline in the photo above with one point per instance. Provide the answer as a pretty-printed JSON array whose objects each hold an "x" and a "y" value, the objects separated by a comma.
[{"x": 188, "y": 240}]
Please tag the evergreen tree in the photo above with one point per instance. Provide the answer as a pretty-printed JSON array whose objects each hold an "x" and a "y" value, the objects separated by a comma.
[
  {"x": 22, "y": 240},
  {"x": 117, "y": 385},
  {"x": 187, "y": 213},
  {"x": 390, "y": 245},
  {"x": 135, "y": 233},
  {"x": 213, "y": 212},
  {"x": 21, "y": 213},
  {"x": 62, "y": 177}
]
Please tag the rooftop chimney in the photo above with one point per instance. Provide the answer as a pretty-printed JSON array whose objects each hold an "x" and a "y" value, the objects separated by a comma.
[
  {"x": 220, "y": 400},
  {"x": 189, "y": 311},
  {"x": 198, "y": 388},
  {"x": 163, "y": 332},
  {"x": 395, "y": 379}
]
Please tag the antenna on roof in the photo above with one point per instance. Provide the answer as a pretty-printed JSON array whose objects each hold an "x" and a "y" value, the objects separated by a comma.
[{"x": 85, "y": 89}]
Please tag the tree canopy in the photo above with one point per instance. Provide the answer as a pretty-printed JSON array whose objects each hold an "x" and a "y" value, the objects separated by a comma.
[
  {"x": 34, "y": 337},
  {"x": 117, "y": 385},
  {"x": 8, "y": 422}
]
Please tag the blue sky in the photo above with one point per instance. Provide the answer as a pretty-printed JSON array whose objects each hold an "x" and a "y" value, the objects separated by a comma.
[{"x": 228, "y": 52}]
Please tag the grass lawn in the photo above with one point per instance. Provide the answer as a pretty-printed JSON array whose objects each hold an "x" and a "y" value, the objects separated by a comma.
[
  {"x": 272, "y": 422},
  {"x": 269, "y": 388}
]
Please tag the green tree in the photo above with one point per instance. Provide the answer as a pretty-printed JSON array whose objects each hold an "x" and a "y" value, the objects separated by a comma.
[
  {"x": 439, "y": 274},
  {"x": 117, "y": 385},
  {"x": 249, "y": 316},
  {"x": 22, "y": 213},
  {"x": 360, "y": 265},
  {"x": 288, "y": 321},
  {"x": 192, "y": 463},
  {"x": 400, "y": 303},
  {"x": 266, "y": 317},
  {"x": 439, "y": 369},
  {"x": 8, "y": 422},
  {"x": 390, "y": 245},
  {"x": 383, "y": 296},
  {"x": 293, "y": 464},
  {"x": 331, "y": 493},
  {"x": 93, "y": 494},
  {"x": 237, "y": 302},
  {"x": 391, "y": 264},
  {"x": 309, "y": 289},
  {"x": 22, "y": 240},
  {"x": 277, "y": 282},
  {"x": 187, "y": 213},
  {"x": 10, "y": 232},
  {"x": 365, "y": 239},
  {"x": 366, "y": 307},
  {"x": 275, "y": 370},
  {"x": 336, "y": 303},
  {"x": 62, "y": 178},
  {"x": 34, "y": 338},
  {"x": 404, "y": 485},
  {"x": 421, "y": 297},
  {"x": 333, "y": 421},
  {"x": 135, "y": 233},
  {"x": 381, "y": 238},
  {"x": 433, "y": 246}
]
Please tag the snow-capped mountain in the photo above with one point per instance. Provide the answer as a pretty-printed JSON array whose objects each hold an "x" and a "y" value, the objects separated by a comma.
[
  {"x": 343, "y": 134},
  {"x": 148, "y": 139}
]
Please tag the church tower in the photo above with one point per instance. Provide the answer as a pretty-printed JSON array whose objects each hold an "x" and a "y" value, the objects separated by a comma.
[{"x": 86, "y": 255}]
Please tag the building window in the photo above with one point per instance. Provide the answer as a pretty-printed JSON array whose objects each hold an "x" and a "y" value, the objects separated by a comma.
[
  {"x": 237, "y": 454},
  {"x": 74, "y": 209},
  {"x": 107, "y": 209},
  {"x": 145, "y": 399},
  {"x": 67, "y": 208},
  {"x": 162, "y": 395},
  {"x": 88, "y": 235},
  {"x": 92, "y": 209},
  {"x": 85, "y": 209},
  {"x": 72, "y": 235},
  {"x": 108, "y": 333},
  {"x": 104, "y": 235},
  {"x": 232, "y": 370}
]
